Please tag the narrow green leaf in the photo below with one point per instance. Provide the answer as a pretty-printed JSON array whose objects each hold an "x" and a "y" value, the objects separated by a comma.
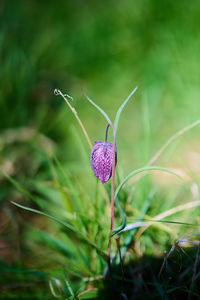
[
  {"x": 99, "y": 108},
  {"x": 171, "y": 139},
  {"x": 153, "y": 168},
  {"x": 133, "y": 173},
  {"x": 24, "y": 191},
  {"x": 69, "y": 226},
  {"x": 50, "y": 240},
  {"x": 143, "y": 211},
  {"x": 89, "y": 294},
  {"x": 21, "y": 271},
  {"x": 122, "y": 107},
  {"x": 123, "y": 217},
  {"x": 66, "y": 178},
  {"x": 69, "y": 287},
  {"x": 147, "y": 222},
  {"x": 19, "y": 187}
]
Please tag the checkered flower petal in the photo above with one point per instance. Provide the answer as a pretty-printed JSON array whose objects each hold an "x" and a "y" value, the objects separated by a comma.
[{"x": 101, "y": 160}]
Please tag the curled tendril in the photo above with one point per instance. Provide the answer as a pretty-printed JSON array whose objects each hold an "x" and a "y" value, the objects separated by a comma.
[{"x": 57, "y": 92}]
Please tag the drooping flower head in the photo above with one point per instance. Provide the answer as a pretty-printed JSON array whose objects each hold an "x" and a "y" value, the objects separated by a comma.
[{"x": 101, "y": 159}]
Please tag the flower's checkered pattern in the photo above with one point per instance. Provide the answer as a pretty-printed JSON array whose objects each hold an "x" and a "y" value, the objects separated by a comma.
[{"x": 101, "y": 160}]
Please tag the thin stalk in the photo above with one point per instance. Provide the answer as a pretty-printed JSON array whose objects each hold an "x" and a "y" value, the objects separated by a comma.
[
  {"x": 112, "y": 191},
  {"x": 58, "y": 92},
  {"x": 170, "y": 140}
]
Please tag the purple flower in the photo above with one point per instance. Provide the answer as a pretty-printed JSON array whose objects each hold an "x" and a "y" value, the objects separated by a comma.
[{"x": 101, "y": 160}]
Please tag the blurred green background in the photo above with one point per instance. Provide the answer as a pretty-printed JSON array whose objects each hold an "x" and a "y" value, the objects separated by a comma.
[{"x": 105, "y": 48}]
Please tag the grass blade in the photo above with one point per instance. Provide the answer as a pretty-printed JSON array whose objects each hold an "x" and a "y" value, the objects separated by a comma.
[
  {"x": 143, "y": 211},
  {"x": 171, "y": 139},
  {"x": 91, "y": 293},
  {"x": 69, "y": 288},
  {"x": 69, "y": 226},
  {"x": 158, "y": 218},
  {"x": 99, "y": 108},
  {"x": 144, "y": 169},
  {"x": 123, "y": 217},
  {"x": 22, "y": 271},
  {"x": 21, "y": 189},
  {"x": 49, "y": 240},
  {"x": 122, "y": 107},
  {"x": 133, "y": 173},
  {"x": 145, "y": 223}
]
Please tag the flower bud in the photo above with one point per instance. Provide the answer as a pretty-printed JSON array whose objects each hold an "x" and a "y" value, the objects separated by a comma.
[{"x": 101, "y": 160}]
